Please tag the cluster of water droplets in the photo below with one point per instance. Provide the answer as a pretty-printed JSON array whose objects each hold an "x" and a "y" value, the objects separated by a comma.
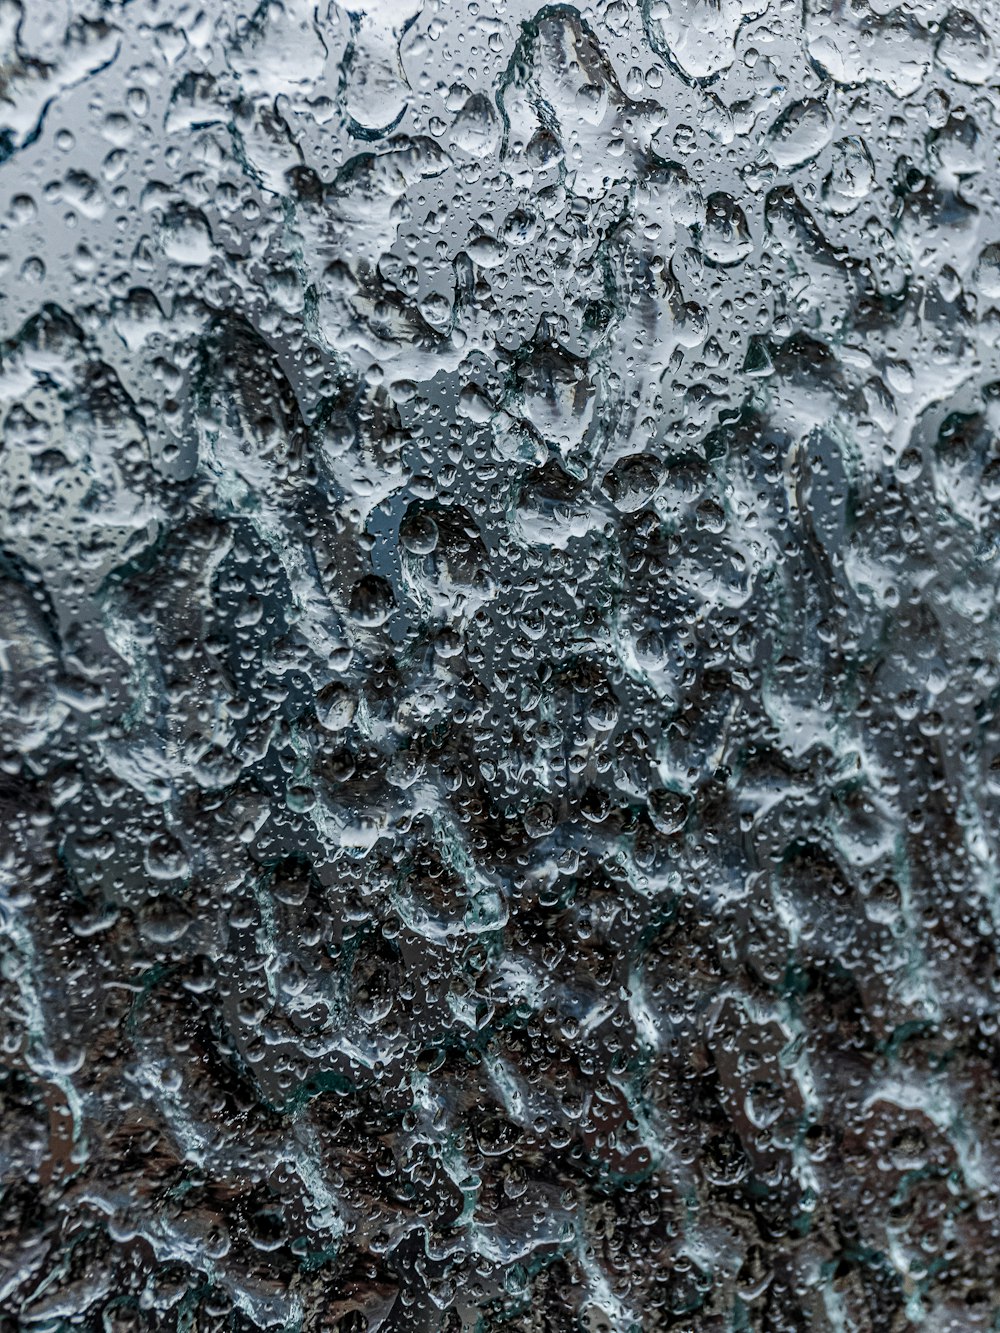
[{"x": 499, "y": 734}]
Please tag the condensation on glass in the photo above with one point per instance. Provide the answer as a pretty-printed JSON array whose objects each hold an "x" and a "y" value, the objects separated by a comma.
[{"x": 499, "y": 685}]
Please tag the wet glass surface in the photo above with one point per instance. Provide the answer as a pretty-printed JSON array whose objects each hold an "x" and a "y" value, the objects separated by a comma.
[{"x": 499, "y": 738}]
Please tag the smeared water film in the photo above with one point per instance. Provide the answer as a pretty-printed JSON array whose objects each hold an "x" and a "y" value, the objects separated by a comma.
[{"x": 499, "y": 682}]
